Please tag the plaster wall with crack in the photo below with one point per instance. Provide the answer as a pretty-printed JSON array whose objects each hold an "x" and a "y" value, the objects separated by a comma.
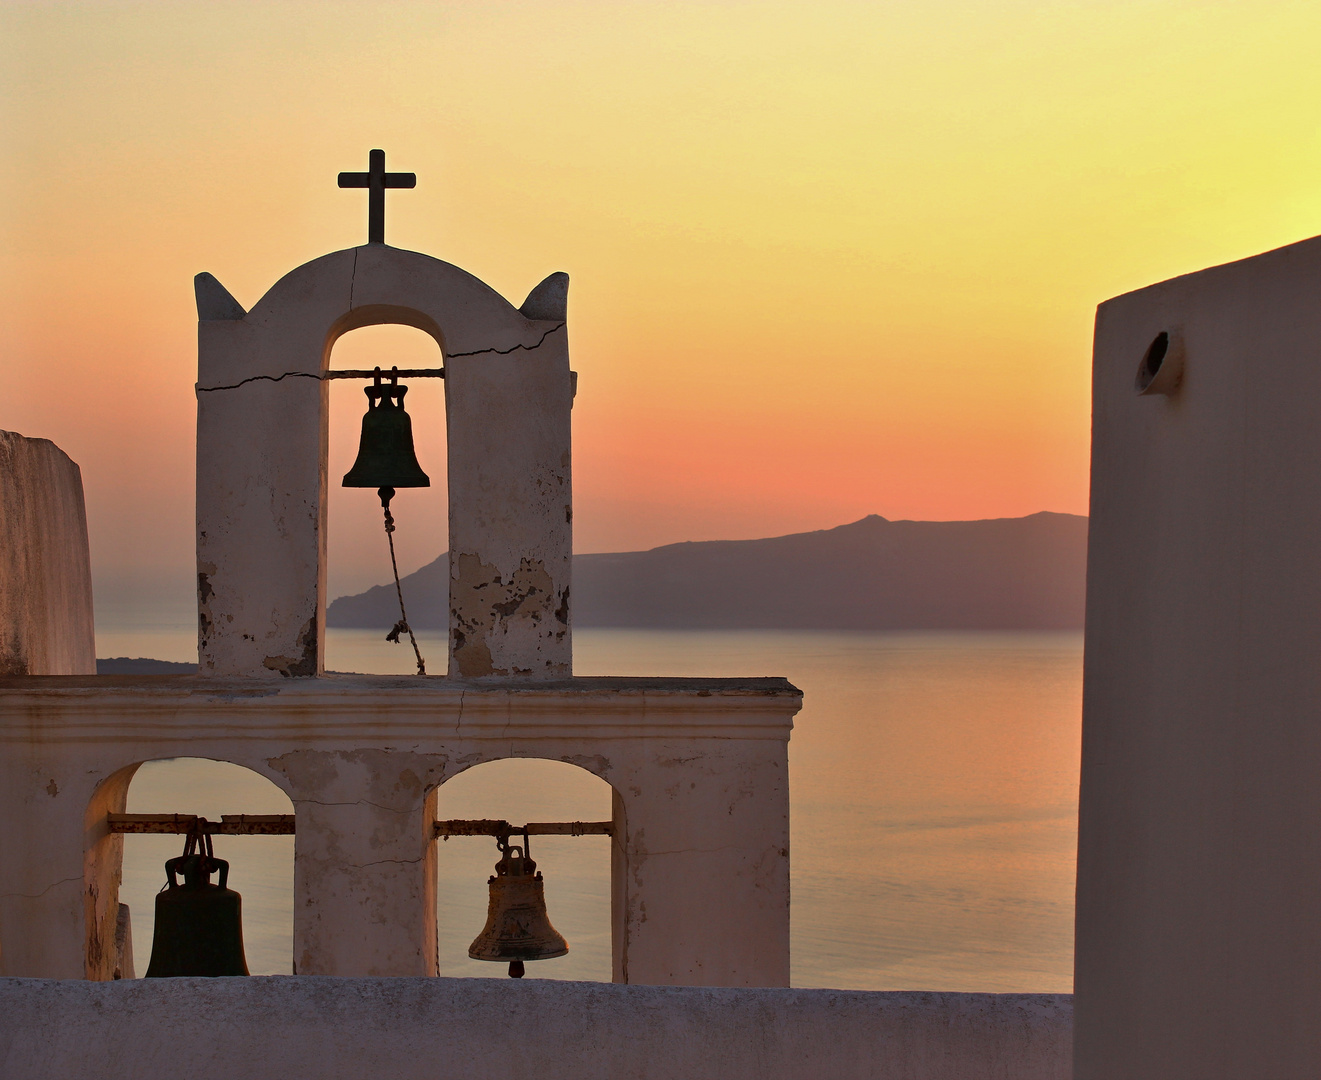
[
  {"x": 698, "y": 767},
  {"x": 262, "y": 447}
]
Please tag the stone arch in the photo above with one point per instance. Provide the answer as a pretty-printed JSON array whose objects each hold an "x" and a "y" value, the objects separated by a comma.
[
  {"x": 262, "y": 445},
  {"x": 103, "y": 862},
  {"x": 558, "y": 858}
]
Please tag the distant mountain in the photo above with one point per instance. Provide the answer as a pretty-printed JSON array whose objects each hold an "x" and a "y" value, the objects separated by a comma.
[
  {"x": 426, "y": 595},
  {"x": 1006, "y": 573},
  {"x": 125, "y": 665}
]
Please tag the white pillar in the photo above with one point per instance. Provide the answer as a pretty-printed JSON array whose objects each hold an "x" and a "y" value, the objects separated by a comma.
[
  {"x": 364, "y": 862},
  {"x": 511, "y": 508},
  {"x": 700, "y": 867}
]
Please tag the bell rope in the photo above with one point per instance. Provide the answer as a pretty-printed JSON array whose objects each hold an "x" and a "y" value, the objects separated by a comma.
[{"x": 401, "y": 627}]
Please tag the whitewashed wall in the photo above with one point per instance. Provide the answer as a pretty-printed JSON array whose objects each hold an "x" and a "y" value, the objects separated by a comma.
[
  {"x": 1199, "y": 885},
  {"x": 699, "y": 768},
  {"x": 261, "y": 461},
  {"x": 488, "y": 1029},
  {"x": 45, "y": 572}
]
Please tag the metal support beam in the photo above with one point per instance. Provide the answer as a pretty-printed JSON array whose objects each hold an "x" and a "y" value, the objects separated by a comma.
[
  {"x": 494, "y": 827},
  {"x": 402, "y": 373},
  {"x": 283, "y": 825},
  {"x": 228, "y": 825}
]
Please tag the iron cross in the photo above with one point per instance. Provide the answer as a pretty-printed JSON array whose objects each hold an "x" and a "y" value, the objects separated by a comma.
[{"x": 376, "y": 180}]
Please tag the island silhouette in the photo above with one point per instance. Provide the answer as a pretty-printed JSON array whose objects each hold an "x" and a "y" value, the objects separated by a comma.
[{"x": 1025, "y": 573}]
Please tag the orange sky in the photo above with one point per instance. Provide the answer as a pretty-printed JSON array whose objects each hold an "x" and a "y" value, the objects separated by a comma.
[{"x": 828, "y": 259}]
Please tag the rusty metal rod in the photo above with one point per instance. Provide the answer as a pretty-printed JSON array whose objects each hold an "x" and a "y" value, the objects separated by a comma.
[
  {"x": 283, "y": 825},
  {"x": 495, "y": 827},
  {"x": 228, "y": 825},
  {"x": 403, "y": 373}
]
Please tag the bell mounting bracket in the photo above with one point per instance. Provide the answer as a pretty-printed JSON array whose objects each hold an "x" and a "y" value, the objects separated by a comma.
[{"x": 375, "y": 373}]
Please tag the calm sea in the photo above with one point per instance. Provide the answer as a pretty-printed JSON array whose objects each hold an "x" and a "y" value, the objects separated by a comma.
[{"x": 934, "y": 796}]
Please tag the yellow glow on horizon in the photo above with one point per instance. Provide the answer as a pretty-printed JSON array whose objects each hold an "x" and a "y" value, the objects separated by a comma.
[{"x": 827, "y": 260}]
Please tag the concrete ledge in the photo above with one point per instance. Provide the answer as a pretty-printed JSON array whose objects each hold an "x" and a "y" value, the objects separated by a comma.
[
  {"x": 363, "y": 709},
  {"x": 488, "y": 1029}
]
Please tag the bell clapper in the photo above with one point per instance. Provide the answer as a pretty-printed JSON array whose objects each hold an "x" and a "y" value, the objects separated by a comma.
[{"x": 516, "y": 969}]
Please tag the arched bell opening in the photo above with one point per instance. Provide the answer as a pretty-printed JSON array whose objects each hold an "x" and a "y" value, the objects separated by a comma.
[
  {"x": 576, "y": 868},
  {"x": 260, "y": 865},
  {"x": 359, "y": 572}
]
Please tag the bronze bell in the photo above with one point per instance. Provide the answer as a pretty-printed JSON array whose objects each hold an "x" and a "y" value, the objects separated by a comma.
[
  {"x": 386, "y": 458},
  {"x": 517, "y": 926},
  {"x": 199, "y": 926}
]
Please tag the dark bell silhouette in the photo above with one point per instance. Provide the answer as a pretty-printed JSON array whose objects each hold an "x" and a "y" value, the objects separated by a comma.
[
  {"x": 386, "y": 458},
  {"x": 199, "y": 926},
  {"x": 517, "y": 926}
]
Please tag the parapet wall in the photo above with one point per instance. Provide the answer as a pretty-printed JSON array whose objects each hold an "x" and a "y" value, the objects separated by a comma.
[
  {"x": 488, "y": 1029},
  {"x": 700, "y": 808}
]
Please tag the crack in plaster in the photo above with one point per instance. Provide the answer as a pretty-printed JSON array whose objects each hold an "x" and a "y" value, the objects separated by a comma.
[
  {"x": 512, "y": 348},
  {"x": 356, "y": 802},
  {"x": 311, "y": 375},
  {"x": 258, "y": 378},
  {"x": 38, "y": 896},
  {"x": 380, "y": 862}
]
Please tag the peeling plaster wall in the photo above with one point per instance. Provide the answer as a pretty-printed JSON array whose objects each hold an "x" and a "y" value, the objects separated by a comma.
[
  {"x": 704, "y": 823},
  {"x": 364, "y": 856},
  {"x": 700, "y": 856},
  {"x": 486, "y": 1029},
  {"x": 1199, "y": 883},
  {"x": 261, "y": 452},
  {"x": 45, "y": 571},
  {"x": 511, "y": 510}
]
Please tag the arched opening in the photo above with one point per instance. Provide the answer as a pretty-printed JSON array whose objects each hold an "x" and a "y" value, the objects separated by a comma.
[
  {"x": 576, "y": 868},
  {"x": 261, "y": 868},
  {"x": 362, "y": 606}
]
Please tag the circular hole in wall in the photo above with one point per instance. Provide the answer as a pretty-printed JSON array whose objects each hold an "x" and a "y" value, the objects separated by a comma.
[{"x": 1152, "y": 360}]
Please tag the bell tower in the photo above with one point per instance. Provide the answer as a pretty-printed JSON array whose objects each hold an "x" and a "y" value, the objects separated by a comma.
[
  {"x": 698, "y": 767},
  {"x": 262, "y": 442}
]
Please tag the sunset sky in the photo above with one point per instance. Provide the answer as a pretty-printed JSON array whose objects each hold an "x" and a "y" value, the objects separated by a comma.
[{"x": 828, "y": 259}]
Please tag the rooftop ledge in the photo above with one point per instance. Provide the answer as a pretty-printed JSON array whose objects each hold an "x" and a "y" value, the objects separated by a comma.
[
  {"x": 418, "y": 1029},
  {"x": 348, "y": 682},
  {"x": 397, "y": 708}
]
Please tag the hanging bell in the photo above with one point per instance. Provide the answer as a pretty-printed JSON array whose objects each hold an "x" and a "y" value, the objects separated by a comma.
[
  {"x": 386, "y": 458},
  {"x": 199, "y": 926},
  {"x": 517, "y": 926}
]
